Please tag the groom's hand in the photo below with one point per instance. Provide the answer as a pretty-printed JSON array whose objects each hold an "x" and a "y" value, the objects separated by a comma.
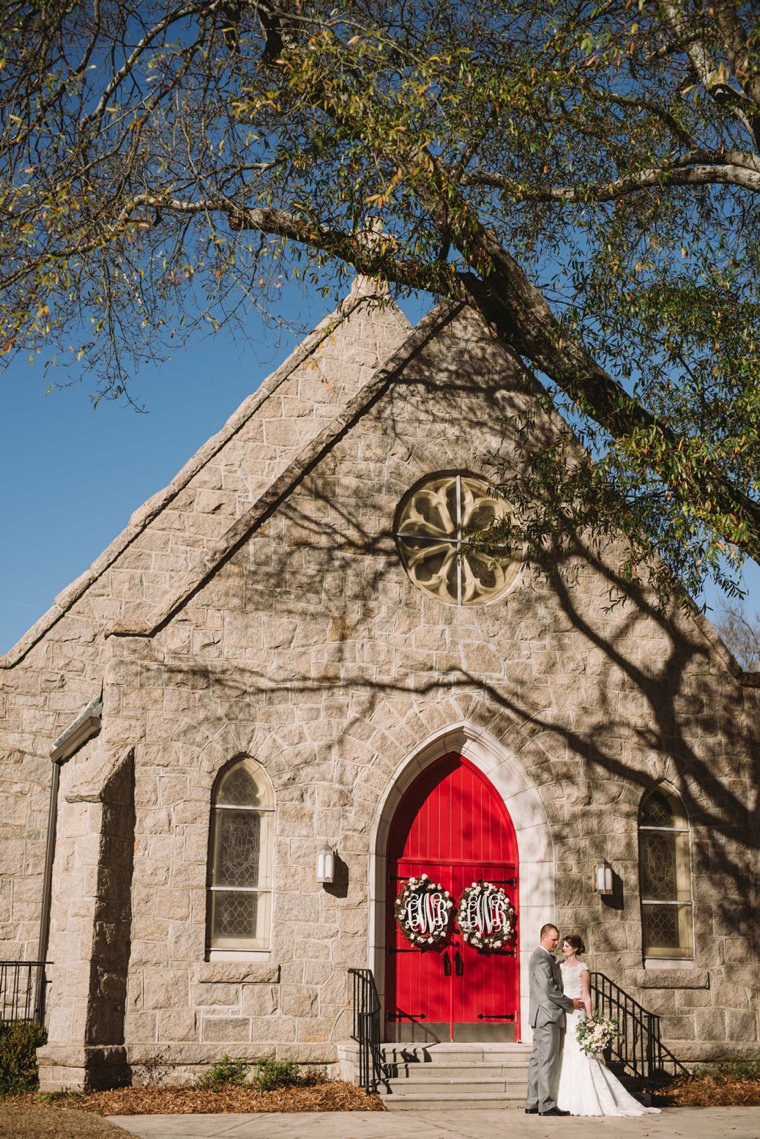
[{"x": 577, "y": 1003}]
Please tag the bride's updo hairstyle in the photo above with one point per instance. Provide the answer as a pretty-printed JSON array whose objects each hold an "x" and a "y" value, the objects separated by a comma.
[{"x": 575, "y": 942}]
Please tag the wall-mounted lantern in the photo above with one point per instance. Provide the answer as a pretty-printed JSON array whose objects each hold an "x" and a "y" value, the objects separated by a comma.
[
  {"x": 603, "y": 880},
  {"x": 326, "y": 866}
]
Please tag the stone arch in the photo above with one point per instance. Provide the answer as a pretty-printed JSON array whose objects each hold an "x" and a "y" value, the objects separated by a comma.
[{"x": 534, "y": 840}]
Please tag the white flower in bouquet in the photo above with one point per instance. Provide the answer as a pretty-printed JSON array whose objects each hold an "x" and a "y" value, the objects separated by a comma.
[{"x": 595, "y": 1035}]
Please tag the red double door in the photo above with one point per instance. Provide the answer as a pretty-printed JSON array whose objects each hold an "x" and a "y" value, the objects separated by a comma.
[{"x": 453, "y": 826}]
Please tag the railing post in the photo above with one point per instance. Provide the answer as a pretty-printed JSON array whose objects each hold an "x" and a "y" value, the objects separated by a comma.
[
  {"x": 639, "y": 1046},
  {"x": 22, "y": 990},
  {"x": 366, "y": 1025},
  {"x": 652, "y": 1038}
]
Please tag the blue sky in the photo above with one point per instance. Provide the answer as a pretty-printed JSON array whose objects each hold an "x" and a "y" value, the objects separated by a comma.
[{"x": 73, "y": 474}]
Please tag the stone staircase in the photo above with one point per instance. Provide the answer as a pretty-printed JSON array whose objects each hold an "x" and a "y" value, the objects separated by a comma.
[
  {"x": 455, "y": 1077},
  {"x": 458, "y": 1077}
]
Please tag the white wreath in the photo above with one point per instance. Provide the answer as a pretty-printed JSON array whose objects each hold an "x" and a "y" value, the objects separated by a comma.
[
  {"x": 423, "y": 909},
  {"x": 486, "y": 916}
]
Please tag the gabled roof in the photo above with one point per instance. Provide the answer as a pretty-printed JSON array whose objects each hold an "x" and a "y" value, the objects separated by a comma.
[
  {"x": 359, "y": 306},
  {"x": 301, "y": 466},
  {"x": 279, "y": 489}
]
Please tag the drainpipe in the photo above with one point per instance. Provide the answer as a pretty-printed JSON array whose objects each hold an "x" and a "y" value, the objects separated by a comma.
[
  {"x": 47, "y": 885},
  {"x": 86, "y": 725}
]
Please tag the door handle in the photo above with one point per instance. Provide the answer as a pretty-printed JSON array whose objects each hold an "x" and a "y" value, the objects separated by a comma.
[
  {"x": 446, "y": 964},
  {"x": 458, "y": 964}
]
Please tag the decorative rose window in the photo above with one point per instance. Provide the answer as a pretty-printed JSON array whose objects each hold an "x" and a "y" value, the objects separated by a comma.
[{"x": 442, "y": 534}]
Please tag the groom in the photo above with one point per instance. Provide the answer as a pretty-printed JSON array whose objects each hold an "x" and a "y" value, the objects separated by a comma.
[{"x": 548, "y": 1005}]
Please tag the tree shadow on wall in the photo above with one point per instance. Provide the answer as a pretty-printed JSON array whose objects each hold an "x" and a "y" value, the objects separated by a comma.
[{"x": 334, "y": 622}]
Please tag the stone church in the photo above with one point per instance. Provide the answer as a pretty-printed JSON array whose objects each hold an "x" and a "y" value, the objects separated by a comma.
[{"x": 291, "y": 723}]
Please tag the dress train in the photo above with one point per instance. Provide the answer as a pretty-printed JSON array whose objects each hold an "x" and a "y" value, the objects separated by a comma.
[{"x": 586, "y": 1085}]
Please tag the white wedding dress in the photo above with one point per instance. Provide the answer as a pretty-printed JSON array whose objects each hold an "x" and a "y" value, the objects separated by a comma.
[{"x": 586, "y": 1085}]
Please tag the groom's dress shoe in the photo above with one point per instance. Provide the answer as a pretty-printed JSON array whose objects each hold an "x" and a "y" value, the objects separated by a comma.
[
  {"x": 531, "y": 1111},
  {"x": 554, "y": 1111}
]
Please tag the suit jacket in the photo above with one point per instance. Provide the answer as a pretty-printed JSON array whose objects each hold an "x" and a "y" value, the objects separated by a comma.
[{"x": 548, "y": 1003}]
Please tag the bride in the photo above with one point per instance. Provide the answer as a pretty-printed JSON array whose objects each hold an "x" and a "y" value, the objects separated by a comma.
[{"x": 586, "y": 1085}]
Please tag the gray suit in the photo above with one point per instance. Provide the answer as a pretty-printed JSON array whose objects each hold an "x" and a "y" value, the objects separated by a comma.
[{"x": 548, "y": 1005}]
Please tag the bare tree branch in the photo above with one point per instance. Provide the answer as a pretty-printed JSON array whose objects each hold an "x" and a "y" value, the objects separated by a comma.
[
  {"x": 713, "y": 77},
  {"x": 677, "y": 173}
]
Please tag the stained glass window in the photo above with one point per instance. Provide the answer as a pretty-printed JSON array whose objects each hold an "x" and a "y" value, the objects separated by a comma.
[
  {"x": 240, "y": 869},
  {"x": 656, "y": 811},
  {"x": 665, "y": 876},
  {"x": 448, "y": 536}
]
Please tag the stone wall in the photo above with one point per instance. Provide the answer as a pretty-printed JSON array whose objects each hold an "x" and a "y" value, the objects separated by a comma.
[
  {"x": 57, "y": 668},
  {"x": 309, "y": 649},
  {"x": 24, "y": 796},
  {"x": 91, "y": 923}
]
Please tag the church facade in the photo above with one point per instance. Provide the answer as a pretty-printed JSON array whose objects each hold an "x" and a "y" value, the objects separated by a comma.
[{"x": 290, "y": 723}]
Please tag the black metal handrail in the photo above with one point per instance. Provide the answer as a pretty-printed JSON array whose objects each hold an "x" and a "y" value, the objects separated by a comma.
[
  {"x": 366, "y": 1029},
  {"x": 639, "y": 1046},
  {"x": 22, "y": 990}
]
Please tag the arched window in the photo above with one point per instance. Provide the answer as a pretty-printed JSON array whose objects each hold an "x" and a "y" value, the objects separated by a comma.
[
  {"x": 665, "y": 875},
  {"x": 240, "y": 858}
]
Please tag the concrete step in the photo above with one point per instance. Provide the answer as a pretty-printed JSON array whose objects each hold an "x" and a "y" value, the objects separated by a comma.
[
  {"x": 461, "y": 1055},
  {"x": 444, "y": 1046},
  {"x": 450, "y": 1076},
  {"x": 448, "y": 1072},
  {"x": 462, "y": 1091},
  {"x": 456, "y": 1077},
  {"x": 446, "y": 1101},
  {"x": 484, "y": 1080}
]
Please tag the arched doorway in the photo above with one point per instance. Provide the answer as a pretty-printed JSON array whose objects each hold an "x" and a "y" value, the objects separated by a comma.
[{"x": 452, "y": 825}]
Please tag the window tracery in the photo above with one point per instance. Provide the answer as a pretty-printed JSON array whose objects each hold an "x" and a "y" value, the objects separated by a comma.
[
  {"x": 240, "y": 859},
  {"x": 442, "y": 533},
  {"x": 665, "y": 876}
]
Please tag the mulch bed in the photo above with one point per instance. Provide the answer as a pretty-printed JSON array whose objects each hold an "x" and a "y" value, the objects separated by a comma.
[
  {"x": 332, "y": 1095},
  {"x": 707, "y": 1091}
]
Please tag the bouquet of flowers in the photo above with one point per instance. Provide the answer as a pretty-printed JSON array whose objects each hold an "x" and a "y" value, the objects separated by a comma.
[{"x": 595, "y": 1035}]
